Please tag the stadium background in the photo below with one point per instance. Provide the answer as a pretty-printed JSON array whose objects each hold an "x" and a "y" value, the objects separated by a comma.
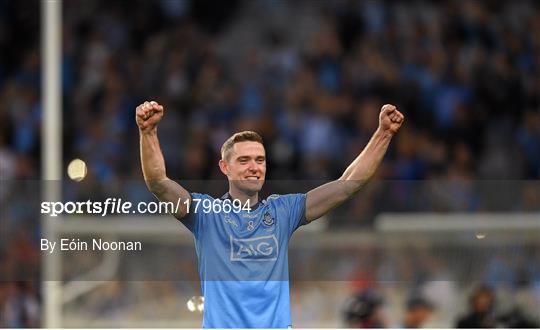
[{"x": 310, "y": 77}]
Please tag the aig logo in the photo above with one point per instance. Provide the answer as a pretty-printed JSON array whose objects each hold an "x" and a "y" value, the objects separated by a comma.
[{"x": 263, "y": 248}]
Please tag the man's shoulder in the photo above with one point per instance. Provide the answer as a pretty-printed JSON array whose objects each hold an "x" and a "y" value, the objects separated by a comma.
[
  {"x": 272, "y": 197},
  {"x": 196, "y": 195},
  {"x": 278, "y": 198}
]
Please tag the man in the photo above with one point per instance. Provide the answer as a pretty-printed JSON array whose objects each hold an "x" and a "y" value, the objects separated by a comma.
[
  {"x": 418, "y": 310},
  {"x": 482, "y": 309},
  {"x": 365, "y": 310},
  {"x": 242, "y": 254}
]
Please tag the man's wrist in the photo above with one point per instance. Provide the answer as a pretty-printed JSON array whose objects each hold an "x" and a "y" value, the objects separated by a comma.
[
  {"x": 150, "y": 132},
  {"x": 384, "y": 133}
]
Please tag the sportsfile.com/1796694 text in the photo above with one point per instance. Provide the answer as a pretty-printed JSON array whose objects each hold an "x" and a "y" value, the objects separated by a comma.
[{"x": 118, "y": 206}]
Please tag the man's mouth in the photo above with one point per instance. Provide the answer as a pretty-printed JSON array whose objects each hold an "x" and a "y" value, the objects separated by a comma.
[{"x": 252, "y": 177}]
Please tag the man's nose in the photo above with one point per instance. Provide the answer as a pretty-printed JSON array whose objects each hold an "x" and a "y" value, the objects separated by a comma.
[{"x": 252, "y": 166}]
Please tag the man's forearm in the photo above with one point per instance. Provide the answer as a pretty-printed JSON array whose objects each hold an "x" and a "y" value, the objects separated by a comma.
[
  {"x": 152, "y": 161},
  {"x": 365, "y": 165},
  {"x": 147, "y": 117},
  {"x": 324, "y": 198}
]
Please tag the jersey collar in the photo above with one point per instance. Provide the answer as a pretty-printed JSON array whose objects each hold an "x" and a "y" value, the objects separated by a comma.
[{"x": 253, "y": 208}]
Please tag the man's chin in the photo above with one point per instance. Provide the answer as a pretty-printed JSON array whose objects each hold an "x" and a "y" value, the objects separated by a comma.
[{"x": 250, "y": 187}]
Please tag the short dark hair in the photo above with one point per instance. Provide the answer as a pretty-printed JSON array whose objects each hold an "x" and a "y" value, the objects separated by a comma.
[
  {"x": 239, "y": 137},
  {"x": 415, "y": 302}
]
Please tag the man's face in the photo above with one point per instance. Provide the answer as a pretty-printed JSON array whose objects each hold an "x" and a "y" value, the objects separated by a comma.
[
  {"x": 419, "y": 316},
  {"x": 483, "y": 302},
  {"x": 246, "y": 166}
]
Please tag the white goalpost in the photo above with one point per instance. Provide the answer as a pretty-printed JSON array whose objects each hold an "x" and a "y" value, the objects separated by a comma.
[{"x": 51, "y": 148}]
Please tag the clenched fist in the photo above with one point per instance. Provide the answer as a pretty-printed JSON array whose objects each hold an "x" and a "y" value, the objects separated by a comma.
[
  {"x": 147, "y": 116},
  {"x": 390, "y": 119}
]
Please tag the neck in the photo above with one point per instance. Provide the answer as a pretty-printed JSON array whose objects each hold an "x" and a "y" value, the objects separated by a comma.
[{"x": 243, "y": 196}]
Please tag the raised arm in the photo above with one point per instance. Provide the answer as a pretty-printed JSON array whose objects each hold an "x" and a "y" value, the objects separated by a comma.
[
  {"x": 324, "y": 198},
  {"x": 148, "y": 115}
]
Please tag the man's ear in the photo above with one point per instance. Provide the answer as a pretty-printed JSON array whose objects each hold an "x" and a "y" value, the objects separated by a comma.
[{"x": 223, "y": 166}]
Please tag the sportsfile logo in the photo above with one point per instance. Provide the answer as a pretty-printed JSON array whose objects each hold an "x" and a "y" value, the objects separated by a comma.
[{"x": 263, "y": 248}]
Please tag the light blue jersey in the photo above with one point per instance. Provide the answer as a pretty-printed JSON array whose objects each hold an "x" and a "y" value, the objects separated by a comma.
[{"x": 243, "y": 262}]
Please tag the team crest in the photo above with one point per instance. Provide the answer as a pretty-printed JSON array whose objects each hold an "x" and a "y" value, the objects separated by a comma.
[{"x": 267, "y": 219}]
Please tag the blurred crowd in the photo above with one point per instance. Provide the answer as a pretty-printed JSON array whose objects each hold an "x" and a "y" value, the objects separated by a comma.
[
  {"x": 309, "y": 76},
  {"x": 466, "y": 74},
  {"x": 366, "y": 310}
]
